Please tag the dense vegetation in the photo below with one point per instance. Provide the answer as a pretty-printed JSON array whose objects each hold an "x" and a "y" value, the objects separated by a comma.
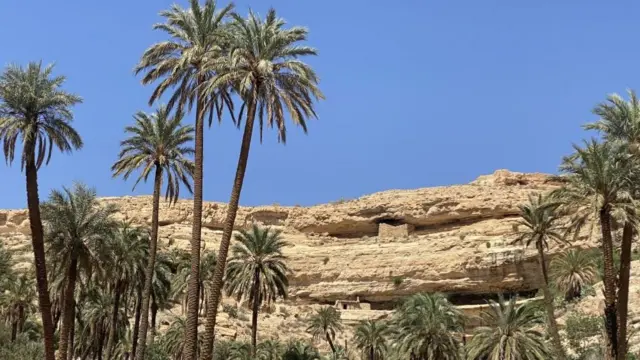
[{"x": 98, "y": 284}]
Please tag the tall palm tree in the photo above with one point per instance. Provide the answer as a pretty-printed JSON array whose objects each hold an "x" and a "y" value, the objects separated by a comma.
[
  {"x": 599, "y": 178},
  {"x": 158, "y": 143},
  {"x": 35, "y": 110},
  {"x": 572, "y": 271},
  {"x": 325, "y": 323},
  {"x": 620, "y": 122},
  {"x": 511, "y": 332},
  {"x": 541, "y": 222},
  {"x": 77, "y": 229},
  {"x": 257, "y": 270},
  {"x": 263, "y": 67},
  {"x": 371, "y": 338},
  {"x": 426, "y": 327},
  {"x": 129, "y": 248},
  {"x": 196, "y": 36}
]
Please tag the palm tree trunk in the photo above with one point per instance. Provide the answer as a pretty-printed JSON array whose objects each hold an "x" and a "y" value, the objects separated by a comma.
[
  {"x": 548, "y": 302},
  {"x": 37, "y": 242},
  {"x": 72, "y": 333},
  {"x": 154, "y": 313},
  {"x": 14, "y": 330},
  {"x": 21, "y": 318},
  {"x": 371, "y": 354},
  {"x": 609, "y": 285},
  {"x": 623, "y": 289},
  {"x": 100, "y": 343},
  {"x": 193, "y": 287},
  {"x": 148, "y": 276},
  {"x": 67, "y": 310},
  {"x": 333, "y": 348},
  {"x": 216, "y": 287},
  {"x": 136, "y": 325},
  {"x": 256, "y": 309},
  {"x": 114, "y": 320}
]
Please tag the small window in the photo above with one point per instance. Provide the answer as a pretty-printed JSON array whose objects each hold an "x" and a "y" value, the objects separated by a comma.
[{"x": 344, "y": 306}]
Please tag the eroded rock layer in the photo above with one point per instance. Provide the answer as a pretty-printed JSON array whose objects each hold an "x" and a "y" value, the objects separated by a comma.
[{"x": 380, "y": 247}]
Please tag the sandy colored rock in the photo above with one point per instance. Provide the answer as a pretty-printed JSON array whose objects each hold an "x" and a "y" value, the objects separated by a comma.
[{"x": 456, "y": 239}]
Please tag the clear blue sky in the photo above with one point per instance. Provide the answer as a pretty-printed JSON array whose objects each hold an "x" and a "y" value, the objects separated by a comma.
[{"x": 419, "y": 93}]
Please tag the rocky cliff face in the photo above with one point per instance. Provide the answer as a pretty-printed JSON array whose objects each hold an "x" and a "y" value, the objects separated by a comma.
[{"x": 380, "y": 247}]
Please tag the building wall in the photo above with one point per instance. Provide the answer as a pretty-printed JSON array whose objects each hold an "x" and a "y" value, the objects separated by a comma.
[
  {"x": 387, "y": 230},
  {"x": 352, "y": 306}
]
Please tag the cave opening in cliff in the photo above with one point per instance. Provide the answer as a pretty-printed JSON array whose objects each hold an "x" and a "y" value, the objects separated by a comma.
[
  {"x": 461, "y": 299},
  {"x": 390, "y": 221}
]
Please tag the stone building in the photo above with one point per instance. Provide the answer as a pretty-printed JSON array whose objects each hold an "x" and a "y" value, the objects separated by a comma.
[{"x": 351, "y": 305}]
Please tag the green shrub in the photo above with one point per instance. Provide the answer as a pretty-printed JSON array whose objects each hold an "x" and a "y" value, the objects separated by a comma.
[
  {"x": 325, "y": 260},
  {"x": 580, "y": 332},
  {"x": 488, "y": 244},
  {"x": 397, "y": 280}
]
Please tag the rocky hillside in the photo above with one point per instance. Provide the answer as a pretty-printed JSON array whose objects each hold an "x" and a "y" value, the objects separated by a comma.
[{"x": 454, "y": 239}]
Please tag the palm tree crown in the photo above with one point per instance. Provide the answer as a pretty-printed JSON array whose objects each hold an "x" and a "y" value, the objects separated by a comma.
[
  {"x": 36, "y": 111},
  {"x": 371, "y": 338},
  {"x": 573, "y": 271},
  {"x": 425, "y": 327},
  {"x": 263, "y": 66},
  {"x": 619, "y": 119},
  {"x": 257, "y": 270},
  {"x": 197, "y": 36},
  {"x": 78, "y": 227},
  {"x": 258, "y": 254},
  {"x": 299, "y": 350},
  {"x": 539, "y": 217},
  {"x": 511, "y": 333},
  {"x": 157, "y": 140},
  {"x": 325, "y": 323}
]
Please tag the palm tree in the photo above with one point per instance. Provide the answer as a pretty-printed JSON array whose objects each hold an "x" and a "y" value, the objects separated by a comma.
[
  {"x": 129, "y": 249},
  {"x": 542, "y": 223},
  {"x": 180, "y": 281},
  {"x": 263, "y": 67},
  {"x": 620, "y": 122},
  {"x": 426, "y": 327},
  {"x": 572, "y": 271},
  {"x": 510, "y": 333},
  {"x": 6, "y": 267},
  {"x": 173, "y": 340},
  {"x": 325, "y": 323},
  {"x": 371, "y": 338},
  {"x": 300, "y": 350},
  {"x": 196, "y": 36},
  {"x": 599, "y": 178},
  {"x": 17, "y": 300},
  {"x": 257, "y": 270},
  {"x": 35, "y": 110},
  {"x": 270, "y": 350},
  {"x": 158, "y": 142},
  {"x": 77, "y": 229},
  {"x": 96, "y": 312}
]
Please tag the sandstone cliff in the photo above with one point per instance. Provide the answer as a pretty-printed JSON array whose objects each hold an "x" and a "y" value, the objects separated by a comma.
[{"x": 380, "y": 247}]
